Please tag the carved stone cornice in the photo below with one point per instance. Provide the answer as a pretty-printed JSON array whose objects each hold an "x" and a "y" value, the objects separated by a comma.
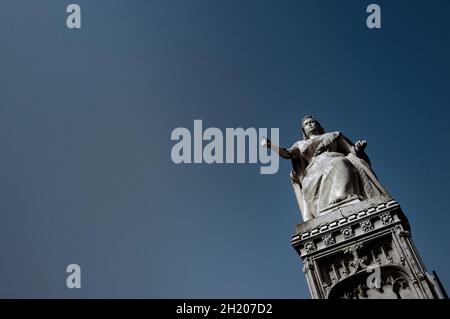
[{"x": 337, "y": 227}]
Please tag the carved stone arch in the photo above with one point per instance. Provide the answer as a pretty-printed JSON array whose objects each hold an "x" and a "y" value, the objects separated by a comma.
[
  {"x": 395, "y": 283},
  {"x": 347, "y": 287}
]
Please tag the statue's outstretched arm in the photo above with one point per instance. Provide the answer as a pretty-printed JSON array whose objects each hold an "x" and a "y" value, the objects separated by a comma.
[{"x": 287, "y": 153}]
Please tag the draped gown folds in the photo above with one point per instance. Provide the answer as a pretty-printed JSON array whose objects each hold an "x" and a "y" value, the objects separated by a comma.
[{"x": 329, "y": 171}]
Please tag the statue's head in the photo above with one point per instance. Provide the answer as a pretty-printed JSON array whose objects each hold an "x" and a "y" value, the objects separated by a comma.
[{"x": 311, "y": 125}]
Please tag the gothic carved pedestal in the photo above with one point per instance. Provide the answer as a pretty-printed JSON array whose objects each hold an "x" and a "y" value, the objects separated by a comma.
[{"x": 363, "y": 251}]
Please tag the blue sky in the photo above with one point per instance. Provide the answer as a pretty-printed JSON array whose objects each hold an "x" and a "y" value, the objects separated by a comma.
[{"x": 86, "y": 117}]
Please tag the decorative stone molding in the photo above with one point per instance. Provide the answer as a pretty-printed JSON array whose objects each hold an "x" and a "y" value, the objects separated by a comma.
[
  {"x": 347, "y": 232},
  {"x": 350, "y": 219},
  {"x": 328, "y": 240},
  {"x": 386, "y": 218},
  {"x": 310, "y": 247},
  {"x": 344, "y": 227},
  {"x": 366, "y": 225}
]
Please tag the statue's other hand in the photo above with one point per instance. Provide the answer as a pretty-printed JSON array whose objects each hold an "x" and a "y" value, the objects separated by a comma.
[{"x": 360, "y": 145}]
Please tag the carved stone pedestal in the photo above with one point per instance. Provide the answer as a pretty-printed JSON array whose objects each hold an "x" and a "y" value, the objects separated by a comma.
[{"x": 363, "y": 251}]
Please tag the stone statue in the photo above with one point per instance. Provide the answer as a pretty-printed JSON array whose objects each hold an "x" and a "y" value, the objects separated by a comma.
[{"x": 329, "y": 171}]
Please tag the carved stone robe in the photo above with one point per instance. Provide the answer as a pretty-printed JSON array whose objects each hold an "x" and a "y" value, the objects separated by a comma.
[{"x": 328, "y": 171}]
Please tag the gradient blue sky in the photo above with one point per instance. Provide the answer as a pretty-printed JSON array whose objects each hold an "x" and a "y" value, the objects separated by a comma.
[{"x": 86, "y": 117}]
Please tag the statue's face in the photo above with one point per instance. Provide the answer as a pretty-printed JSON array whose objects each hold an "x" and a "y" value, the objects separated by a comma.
[{"x": 310, "y": 125}]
